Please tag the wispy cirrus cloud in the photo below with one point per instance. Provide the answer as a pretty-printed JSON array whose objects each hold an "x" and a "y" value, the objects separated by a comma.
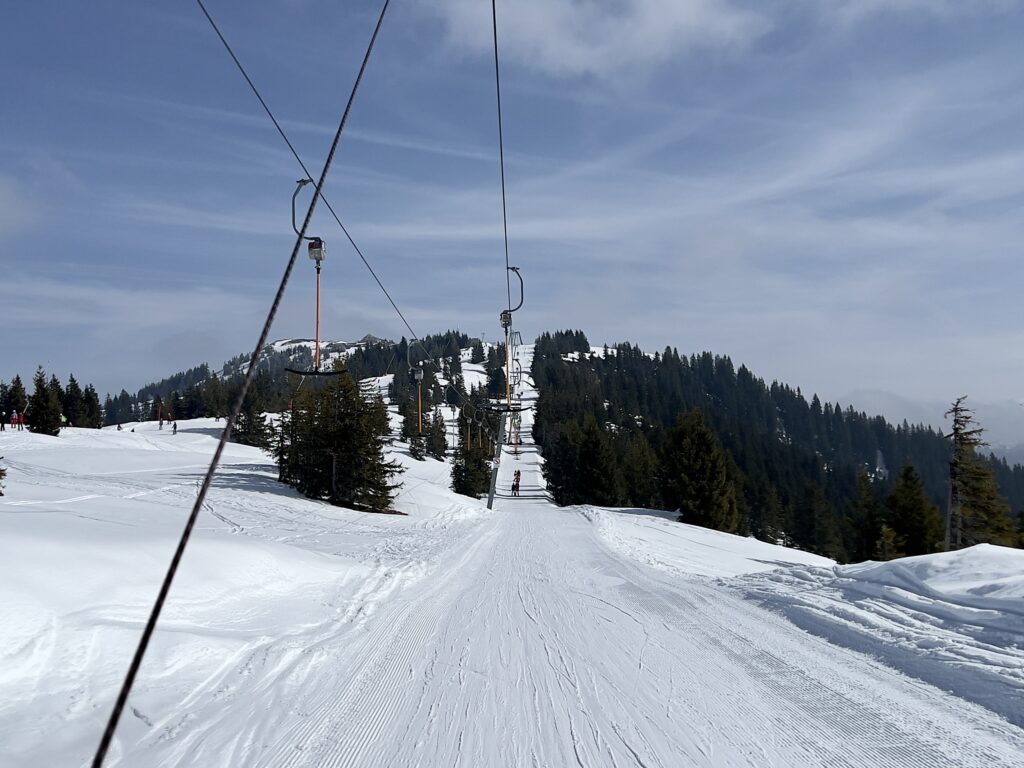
[{"x": 566, "y": 37}]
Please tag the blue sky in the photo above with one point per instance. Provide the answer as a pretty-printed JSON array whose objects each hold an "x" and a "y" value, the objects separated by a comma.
[{"x": 829, "y": 191}]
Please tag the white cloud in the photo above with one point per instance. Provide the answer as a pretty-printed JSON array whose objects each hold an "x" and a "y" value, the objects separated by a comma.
[
  {"x": 597, "y": 37},
  {"x": 853, "y": 11}
]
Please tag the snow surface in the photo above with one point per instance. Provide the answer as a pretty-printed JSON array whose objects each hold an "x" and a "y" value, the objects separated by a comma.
[{"x": 300, "y": 634}]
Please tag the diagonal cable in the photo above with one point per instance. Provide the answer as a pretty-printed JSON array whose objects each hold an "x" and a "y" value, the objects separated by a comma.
[
  {"x": 295, "y": 154},
  {"x": 501, "y": 151},
  {"x": 414, "y": 337},
  {"x": 154, "y": 616}
]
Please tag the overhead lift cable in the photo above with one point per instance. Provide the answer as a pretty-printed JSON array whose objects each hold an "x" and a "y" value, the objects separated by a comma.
[
  {"x": 295, "y": 154},
  {"x": 501, "y": 150},
  {"x": 165, "y": 587},
  {"x": 414, "y": 337}
]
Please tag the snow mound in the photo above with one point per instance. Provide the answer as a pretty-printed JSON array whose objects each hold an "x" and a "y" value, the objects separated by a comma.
[
  {"x": 655, "y": 539},
  {"x": 953, "y": 619},
  {"x": 981, "y": 571}
]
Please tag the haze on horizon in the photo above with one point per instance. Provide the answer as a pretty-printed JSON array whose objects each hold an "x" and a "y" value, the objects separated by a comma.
[{"x": 828, "y": 192}]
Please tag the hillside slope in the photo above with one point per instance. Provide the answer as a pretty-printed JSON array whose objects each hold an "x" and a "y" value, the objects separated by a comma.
[{"x": 307, "y": 635}]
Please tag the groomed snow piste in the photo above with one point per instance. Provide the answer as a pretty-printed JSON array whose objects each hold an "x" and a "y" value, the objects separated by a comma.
[{"x": 300, "y": 634}]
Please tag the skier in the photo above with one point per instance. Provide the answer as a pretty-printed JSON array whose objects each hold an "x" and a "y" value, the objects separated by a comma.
[
  {"x": 174, "y": 428},
  {"x": 21, "y": 422},
  {"x": 14, "y": 420},
  {"x": 3, "y": 422},
  {"x": 119, "y": 429},
  {"x": 515, "y": 482}
]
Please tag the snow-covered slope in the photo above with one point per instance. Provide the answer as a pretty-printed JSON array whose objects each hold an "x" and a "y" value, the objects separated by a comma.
[
  {"x": 655, "y": 539},
  {"x": 955, "y": 619},
  {"x": 87, "y": 528},
  {"x": 301, "y": 634}
]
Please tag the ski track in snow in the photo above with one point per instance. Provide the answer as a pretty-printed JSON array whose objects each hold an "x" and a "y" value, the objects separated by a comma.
[{"x": 306, "y": 636}]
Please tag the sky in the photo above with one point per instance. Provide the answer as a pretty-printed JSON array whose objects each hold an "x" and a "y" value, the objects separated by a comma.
[{"x": 828, "y": 191}]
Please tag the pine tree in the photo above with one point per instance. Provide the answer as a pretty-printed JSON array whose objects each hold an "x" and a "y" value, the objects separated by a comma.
[
  {"x": 92, "y": 413},
  {"x": 914, "y": 520},
  {"x": 17, "y": 398},
  {"x": 477, "y": 352},
  {"x": 640, "y": 473},
  {"x": 471, "y": 464},
  {"x": 888, "y": 546},
  {"x": 977, "y": 514},
  {"x": 815, "y": 525},
  {"x": 215, "y": 397},
  {"x": 43, "y": 407},
  {"x": 866, "y": 518},
  {"x": 58, "y": 393},
  {"x": 768, "y": 519},
  {"x": 251, "y": 425},
  {"x": 74, "y": 403},
  {"x": 597, "y": 470},
  {"x": 437, "y": 444},
  {"x": 695, "y": 475},
  {"x": 331, "y": 446},
  {"x": 411, "y": 428}
]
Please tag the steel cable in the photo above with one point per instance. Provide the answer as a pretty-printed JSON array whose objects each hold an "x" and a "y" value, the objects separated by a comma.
[{"x": 147, "y": 633}]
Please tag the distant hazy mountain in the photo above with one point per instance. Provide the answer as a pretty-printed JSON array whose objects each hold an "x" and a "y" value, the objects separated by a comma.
[{"x": 1003, "y": 421}]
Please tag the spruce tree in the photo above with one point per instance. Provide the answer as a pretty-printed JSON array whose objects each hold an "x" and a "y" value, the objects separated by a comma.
[
  {"x": 477, "y": 352},
  {"x": 815, "y": 525},
  {"x": 978, "y": 513},
  {"x": 58, "y": 393},
  {"x": 411, "y": 428},
  {"x": 867, "y": 517},
  {"x": 17, "y": 398},
  {"x": 437, "y": 443},
  {"x": 331, "y": 446},
  {"x": 695, "y": 475},
  {"x": 471, "y": 464},
  {"x": 913, "y": 519},
  {"x": 74, "y": 403},
  {"x": 43, "y": 407},
  {"x": 640, "y": 473},
  {"x": 92, "y": 416},
  {"x": 251, "y": 425},
  {"x": 598, "y": 474},
  {"x": 888, "y": 546}
]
